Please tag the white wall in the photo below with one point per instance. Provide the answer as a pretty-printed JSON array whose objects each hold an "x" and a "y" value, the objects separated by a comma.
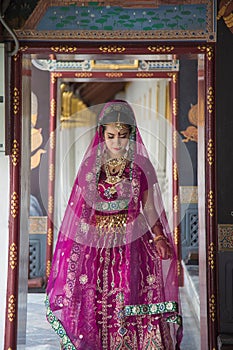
[{"x": 4, "y": 210}]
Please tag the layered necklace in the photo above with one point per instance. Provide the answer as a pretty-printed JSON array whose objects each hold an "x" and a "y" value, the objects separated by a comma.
[{"x": 114, "y": 162}]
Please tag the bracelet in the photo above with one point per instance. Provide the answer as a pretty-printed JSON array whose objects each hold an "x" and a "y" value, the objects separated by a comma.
[{"x": 159, "y": 238}]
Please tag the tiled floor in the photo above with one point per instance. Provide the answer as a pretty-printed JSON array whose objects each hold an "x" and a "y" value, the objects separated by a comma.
[{"x": 40, "y": 336}]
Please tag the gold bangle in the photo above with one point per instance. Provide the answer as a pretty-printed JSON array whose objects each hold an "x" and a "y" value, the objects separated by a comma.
[{"x": 159, "y": 238}]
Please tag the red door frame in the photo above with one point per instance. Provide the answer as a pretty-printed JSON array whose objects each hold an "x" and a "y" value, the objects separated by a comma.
[{"x": 208, "y": 190}]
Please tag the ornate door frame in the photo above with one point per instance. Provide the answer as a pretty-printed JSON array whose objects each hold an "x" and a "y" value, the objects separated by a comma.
[{"x": 207, "y": 192}]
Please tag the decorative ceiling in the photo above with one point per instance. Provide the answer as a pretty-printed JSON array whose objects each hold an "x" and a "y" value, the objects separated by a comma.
[{"x": 121, "y": 20}]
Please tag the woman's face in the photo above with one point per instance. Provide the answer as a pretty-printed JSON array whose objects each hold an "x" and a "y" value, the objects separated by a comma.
[{"x": 116, "y": 141}]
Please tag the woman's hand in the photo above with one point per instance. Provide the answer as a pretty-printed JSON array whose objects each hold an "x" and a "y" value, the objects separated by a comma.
[{"x": 164, "y": 249}]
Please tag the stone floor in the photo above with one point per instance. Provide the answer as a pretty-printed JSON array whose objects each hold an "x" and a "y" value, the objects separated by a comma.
[{"x": 40, "y": 336}]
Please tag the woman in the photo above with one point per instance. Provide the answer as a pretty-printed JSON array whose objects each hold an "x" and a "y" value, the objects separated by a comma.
[{"x": 113, "y": 282}]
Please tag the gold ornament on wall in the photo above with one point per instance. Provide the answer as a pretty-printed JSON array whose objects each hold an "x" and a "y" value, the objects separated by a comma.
[
  {"x": 11, "y": 308},
  {"x": 211, "y": 255},
  {"x": 226, "y": 12},
  {"x": 190, "y": 133},
  {"x": 212, "y": 307},
  {"x": 15, "y": 153},
  {"x": 36, "y": 134},
  {"x": 13, "y": 256},
  {"x": 112, "y": 49},
  {"x": 14, "y": 204}
]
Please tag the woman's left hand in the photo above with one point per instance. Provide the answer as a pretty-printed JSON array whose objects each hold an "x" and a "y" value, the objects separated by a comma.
[{"x": 164, "y": 249}]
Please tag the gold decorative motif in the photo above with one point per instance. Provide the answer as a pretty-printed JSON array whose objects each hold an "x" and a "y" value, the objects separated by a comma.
[
  {"x": 16, "y": 100},
  {"x": 176, "y": 235},
  {"x": 114, "y": 75},
  {"x": 160, "y": 48},
  {"x": 210, "y": 152},
  {"x": 48, "y": 268},
  {"x": 50, "y": 237},
  {"x": 52, "y": 107},
  {"x": 174, "y": 77},
  {"x": 54, "y": 77},
  {"x": 13, "y": 256},
  {"x": 210, "y": 99},
  {"x": 175, "y": 171},
  {"x": 11, "y": 308},
  {"x": 212, "y": 307},
  {"x": 211, "y": 255},
  {"x": 52, "y": 140},
  {"x": 175, "y": 137},
  {"x": 83, "y": 75},
  {"x": 21, "y": 49},
  {"x": 64, "y": 49},
  {"x": 178, "y": 268},
  {"x": 175, "y": 203},
  {"x": 15, "y": 153},
  {"x": 51, "y": 172},
  {"x": 211, "y": 203},
  {"x": 14, "y": 204},
  {"x": 209, "y": 51},
  {"x": 112, "y": 49},
  {"x": 145, "y": 75},
  {"x": 174, "y": 107},
  {"x": 50, "y": 204}
]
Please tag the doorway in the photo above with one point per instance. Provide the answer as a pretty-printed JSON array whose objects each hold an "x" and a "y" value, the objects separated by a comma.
[{"x": 207, "y": 189}]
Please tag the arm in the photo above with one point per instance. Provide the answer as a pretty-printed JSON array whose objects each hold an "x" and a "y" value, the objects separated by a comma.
[{"x": 162, "y": 244}]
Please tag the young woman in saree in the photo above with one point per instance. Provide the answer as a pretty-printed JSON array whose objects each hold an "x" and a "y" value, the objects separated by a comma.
[{"x": 113, "y": 282}]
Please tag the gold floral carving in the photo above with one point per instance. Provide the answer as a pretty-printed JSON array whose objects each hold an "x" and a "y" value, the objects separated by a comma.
[
  {"x": 175, "y": 172},
  {"x": 209, "y": 51},
  {"x": 173, "y": 76},
  {"x": 50, "y": 237},
  {"x": 52, "y": 107},
  {"x": 11, "y": 308},
  {"x": 54, "y": 77},
  {"x": 48, "y": 268},
  {"x": 114, "y": 75},
  {"x": 145, "y": 75},
  {"x": 13, "y": 256},
  {"x": 21, "y": 49},
  {"x": 16, "y": 100},
  {"x": 14, "y": 204},
  {"x": 64, "y": 49},
  {"x": 176, "y": 235},
  {"x": 211, "y": 203},
  {"x": 175, "y": 136},
  {"x": 211, "y": 255},
  {"x": 174, "y": 107},
  {"x": 178, "y": 268},
  {"x": 51, "y": 172},
  {"x": 50, "y": 204},
  {"x": 210, "y": 99},
  {"x": 83, "y": 75},
  {"x": 175, "y": 203},
  {"x": 212, "y": 307},
  {"x": 160, "y": 48},
  {"x": 52, "y": 140},
  {"x": 210, "y": 152},
  {"x": 112, "y": 49},
  {"x": 15, "y": 153}
]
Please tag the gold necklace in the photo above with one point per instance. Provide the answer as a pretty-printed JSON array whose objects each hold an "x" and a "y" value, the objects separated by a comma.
[
  {"x": 115, "y": 161},
  {"x": 114, "y": 179}
]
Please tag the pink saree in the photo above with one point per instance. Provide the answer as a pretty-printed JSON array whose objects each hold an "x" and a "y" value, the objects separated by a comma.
[{"x": 108, "y": 288}]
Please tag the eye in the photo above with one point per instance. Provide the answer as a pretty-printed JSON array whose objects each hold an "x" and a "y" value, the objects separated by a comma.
[
  {"x": 123, "y": 136},
  {"x": 110, "y": 136}
]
